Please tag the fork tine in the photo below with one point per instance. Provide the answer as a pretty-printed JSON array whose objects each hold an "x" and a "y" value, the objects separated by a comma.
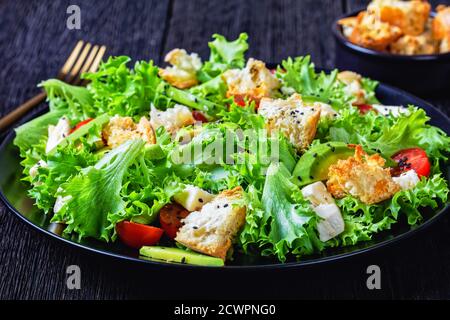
[
  {"x": 79, "y": 63},
  {"x": 96, "y": 62},
  {"x": 86, "y": 64},
  {"x": 70, "y": 61}
]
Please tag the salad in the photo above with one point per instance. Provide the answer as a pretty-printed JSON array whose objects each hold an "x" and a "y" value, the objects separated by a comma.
[{"x": 198, "y": 160}]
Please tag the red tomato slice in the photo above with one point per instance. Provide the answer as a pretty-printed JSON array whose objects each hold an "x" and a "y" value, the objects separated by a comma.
[
  {"x": 198, "y": 116},
  {"x": 239, "y": 100},
  {"x": 364, "y": 108},
  {"x": 137, "y": 235},
  {"x": 412, "y": 158},
  {"x": 80, "y": 124},
  {"x": 170, "y": 218}
]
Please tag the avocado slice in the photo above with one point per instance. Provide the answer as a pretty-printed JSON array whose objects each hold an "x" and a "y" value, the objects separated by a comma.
[
  {"x": 99, "y": 121},
  {"x": 168, "y": 254},
  {"x": 314, "y": 163},
  {"x": 154, "y": 152}
]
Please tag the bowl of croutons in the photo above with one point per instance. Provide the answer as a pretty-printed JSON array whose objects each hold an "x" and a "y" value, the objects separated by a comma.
[{"x": 404, "y": 43}]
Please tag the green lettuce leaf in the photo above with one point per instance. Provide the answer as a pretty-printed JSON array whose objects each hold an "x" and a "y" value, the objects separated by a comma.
[
  {"x": 94, "y": 194},
  {"x": 299, "y": 75},
  {"x": 224, "y": 55}
]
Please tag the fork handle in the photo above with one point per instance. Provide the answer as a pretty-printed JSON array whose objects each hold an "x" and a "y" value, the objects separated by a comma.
[{"x": 16, "y": 114}]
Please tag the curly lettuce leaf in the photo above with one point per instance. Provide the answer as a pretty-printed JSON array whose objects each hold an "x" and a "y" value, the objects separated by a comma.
[
  {"x": 286, "y": 221},
  {"x": 224, "y": 55},
  {"x": 299, "y": 75},
  {"x": 94, "y": 194}
]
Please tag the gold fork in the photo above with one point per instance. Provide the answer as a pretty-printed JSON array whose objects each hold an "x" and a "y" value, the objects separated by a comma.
[{"x": 85, "y": 57}]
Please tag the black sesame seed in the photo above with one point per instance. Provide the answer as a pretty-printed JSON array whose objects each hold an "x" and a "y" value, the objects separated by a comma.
[
  {"x": 315, "y": 155},
  {"x": 333, "y": 149},
  {"x": 218, "y": 207},
  {"x": 299, "y": 178},
  {"x": 183, "y": 260},
  {"x": 302, "y": 113},
  {"x": 225, "y": 205},
  {"x": 195, "y": 227},
  {"x": 200, "y": 200},
  {"x": 311, "y": 177},
  {"x": 298, "y": 122}
]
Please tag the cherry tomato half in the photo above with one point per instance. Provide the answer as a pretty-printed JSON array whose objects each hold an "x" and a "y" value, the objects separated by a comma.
[
  {"x": 412, "y": 158},
  {"x": 137, "y": 235},
  {"x": 364, "y": 108},
  {"x": 198, "y": 116},
  {"x": 80, "y": 124},
  {"x": 170, "y": 217}
]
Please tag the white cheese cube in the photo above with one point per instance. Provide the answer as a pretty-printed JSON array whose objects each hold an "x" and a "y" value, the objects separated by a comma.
[
  {"x": 57, "y": 133},
  {"x": 317, "y": 194},
  {"x": 390, "y": 110},
  {"x": 332, "y": 223},
  {"x": 407, "y": 180},
  {"x": 193, "y": 198}
]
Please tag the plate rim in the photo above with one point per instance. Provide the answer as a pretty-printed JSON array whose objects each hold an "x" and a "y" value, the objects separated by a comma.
[{"x": 8, "y": 138}]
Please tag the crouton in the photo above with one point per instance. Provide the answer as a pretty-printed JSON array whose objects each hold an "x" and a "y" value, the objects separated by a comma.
[
  {"x": 441, "y": 23},
  {"x": 183, "y": 73},
  {"x": 172, "y": 119},
  {"x": 353, "y": 85},
  {"x": 121, "y": 129},
  {"x": 370, "y": 32},
  {"x": 363, "y": 177},
  {"x": 292, "y": 118},
  {"x": 211, "y": 230},
  {"x": 348, "y": 25},
  {"x": 410, "y": 16},
  {"x": 253, "y": 82},
  {"x": 410, "y": 45}
]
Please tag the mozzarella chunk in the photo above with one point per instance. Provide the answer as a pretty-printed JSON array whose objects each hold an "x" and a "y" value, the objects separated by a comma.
[
  {"x": 323, "y": 204},
  {"x": 57, "y": 133},
  {"x": 332, "y": 223},
  {"x": 292, "y": 118},
  {"x": 390, "y": 110},
  {"x": 407, "y": 180},
  {"x": 183, "y": 73},
  {"x": 34, "y": 170},
  {"x": 193, "y": 198},
  {"x": 317, "y": 194},
  {"x": 172, "y": 119}
]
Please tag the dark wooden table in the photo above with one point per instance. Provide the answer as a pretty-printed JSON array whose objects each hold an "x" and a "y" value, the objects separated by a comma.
[{"x": 34, "y": 42}]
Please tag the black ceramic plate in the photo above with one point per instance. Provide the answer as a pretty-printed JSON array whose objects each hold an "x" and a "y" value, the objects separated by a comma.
[{"x": 13, "y": 192}]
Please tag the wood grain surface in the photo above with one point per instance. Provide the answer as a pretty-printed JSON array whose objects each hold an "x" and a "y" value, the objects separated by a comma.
[{"x": 34, "y": 42}]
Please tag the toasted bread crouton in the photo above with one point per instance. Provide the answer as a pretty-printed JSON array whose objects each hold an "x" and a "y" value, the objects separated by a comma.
[
  {"x": 253, "y": 82},
  {"x": 292, "y": 118},
  {"x": 211, "y": 230},
  {"x": 363, "y": 177},
  {"x": 371, "y": 32},
  {"x": 183, "y": 73},
  {"x": 172, "y": 119},
  {"x": 410, "y": 45},
  {"x": 348, "y": 25},
  {"x": 441, "y": 23},
  {"x": 441, "y": 28},
  {"x": 121, "y": 129},
  {"x": 353, "y": 85},
  {"x": 410, "y": 16}
]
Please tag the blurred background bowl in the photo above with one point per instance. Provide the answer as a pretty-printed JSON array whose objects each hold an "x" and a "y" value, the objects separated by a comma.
[{"x": 425, "y": 75}]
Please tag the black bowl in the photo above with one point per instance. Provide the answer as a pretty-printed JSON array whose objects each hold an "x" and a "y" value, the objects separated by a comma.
[
  {"x": 419, "y": 74},
  {"x": 13, "y": 192}
]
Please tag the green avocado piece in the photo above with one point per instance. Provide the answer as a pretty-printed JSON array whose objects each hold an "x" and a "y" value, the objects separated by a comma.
[
  {"x": 314, "y": 163},
  {"x": 168, "y": 254},
  {"x": 99, "y": 121},
  {"x": 154, "y": 152}
]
